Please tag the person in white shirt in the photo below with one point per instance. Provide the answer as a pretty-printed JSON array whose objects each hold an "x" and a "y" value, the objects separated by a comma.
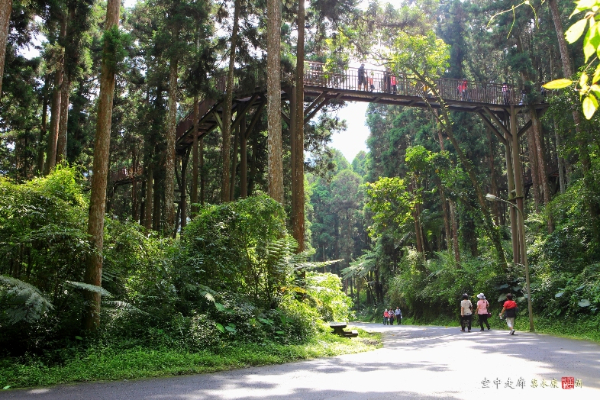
[
  {"x": 466, "y": 312},
  {"x": 398, "y": 316}
]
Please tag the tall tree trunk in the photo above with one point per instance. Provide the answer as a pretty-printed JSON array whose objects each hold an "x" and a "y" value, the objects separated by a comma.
[
  {"x": 183, "y": 203},
  {"x": 56, "y": 105},
  {"x": 226, "y": 150},
  {"x": 149, "y": 196},
  {"x": 244, "y": 161},
  {"x": 561, "y": 161},
  {"x": 202, "y": 177},
  {"x": 93, "y": 272},
  {"x": 443, "y": 200},
  {"x": 454, "y": 231},
  {"x": 234, "y": 160},
  {"x": 493, "y": 178},
  {"x": 534, "y": 166},
  {"x": 5, "y": 11},
  {"x": 54, "y": 121},
  {"x": 61, "y": 142},
  {"x": 194, "y": 192},
  {"x": 274, "y": 139},
  {"x": 537, "y": 131},
  {"x": 43, "y": 127},
  {"x": 170, "y": 149},
  {"x": 298, "y": 133}
]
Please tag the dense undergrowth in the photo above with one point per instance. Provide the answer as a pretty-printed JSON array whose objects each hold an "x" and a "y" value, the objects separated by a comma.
[
  {"x": 229, "y": 292},
  {"x": 564, "y": 269}
]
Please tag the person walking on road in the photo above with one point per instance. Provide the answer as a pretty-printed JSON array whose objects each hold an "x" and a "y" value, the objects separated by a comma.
[
  {"x": 510, "y": 309},
  {"x": 391, "y": 312},
  {"x": 466, "y": 312},
  {"x": 482, "y": 311},
  {"x": 386, "y": 317},
  {"x": 398, "y": 316}
]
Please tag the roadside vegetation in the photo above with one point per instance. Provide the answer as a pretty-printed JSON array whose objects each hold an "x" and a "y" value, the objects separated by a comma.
[{"x": 229, "y": 293}]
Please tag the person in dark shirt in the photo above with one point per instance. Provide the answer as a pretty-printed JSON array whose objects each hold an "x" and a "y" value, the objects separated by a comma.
[
  {"x": 362, "y": 77},
  {"x": 510, "y": 309}
]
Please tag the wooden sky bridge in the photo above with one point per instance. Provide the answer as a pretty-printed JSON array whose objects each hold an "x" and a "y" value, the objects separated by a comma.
[
  {"x": 490, "y": 100},
  {"x": 501, "y": 108}
]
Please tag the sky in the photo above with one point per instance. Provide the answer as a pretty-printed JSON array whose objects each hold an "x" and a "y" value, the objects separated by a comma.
[{"x": 353, "y": 139}]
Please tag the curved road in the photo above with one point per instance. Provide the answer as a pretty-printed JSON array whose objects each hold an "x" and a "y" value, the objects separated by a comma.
[{"x": 416, "y": 362}]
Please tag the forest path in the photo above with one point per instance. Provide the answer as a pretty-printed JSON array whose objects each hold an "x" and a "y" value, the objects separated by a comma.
[{"x": 421, "y": 362}]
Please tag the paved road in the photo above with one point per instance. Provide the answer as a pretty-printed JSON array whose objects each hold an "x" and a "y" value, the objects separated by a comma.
[{"x": 415, "y": 362}]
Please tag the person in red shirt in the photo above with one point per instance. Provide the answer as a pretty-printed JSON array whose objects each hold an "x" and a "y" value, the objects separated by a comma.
[{"x": 510, "y": 308}]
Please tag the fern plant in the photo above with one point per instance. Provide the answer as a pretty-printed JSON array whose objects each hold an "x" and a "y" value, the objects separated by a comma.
[{"x": 22, "y": 301}]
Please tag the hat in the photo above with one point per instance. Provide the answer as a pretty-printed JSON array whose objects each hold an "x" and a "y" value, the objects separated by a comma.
[{"x": 481, "y": 296}]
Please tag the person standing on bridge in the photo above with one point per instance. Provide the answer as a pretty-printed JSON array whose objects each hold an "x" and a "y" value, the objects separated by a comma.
[
  {"x": 394, "y": 86},
  {"x": 386, "y": 80},
  {"x": 462, "y": 90},
  {"x": 362, "y": 77},
  {"x": 466, "y": 312},
  {"x": 505, "y": 93}
]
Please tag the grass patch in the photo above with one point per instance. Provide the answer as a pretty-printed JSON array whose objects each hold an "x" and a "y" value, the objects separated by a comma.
[{"x": 97, "y": 364}]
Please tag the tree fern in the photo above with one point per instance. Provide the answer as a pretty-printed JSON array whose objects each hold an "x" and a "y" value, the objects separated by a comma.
[{"x": 22, "y": 301}]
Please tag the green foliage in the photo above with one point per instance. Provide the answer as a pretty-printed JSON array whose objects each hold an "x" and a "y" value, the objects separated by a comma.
[
  {"x": 21, "y": 301},
  {"x": 589, "y": 91},
  {"x": 241, "y": 246},
  {"x": 325, "y": 292},
  {"x": 392, "y": 204},
  {"x": 115, "y": 44}
]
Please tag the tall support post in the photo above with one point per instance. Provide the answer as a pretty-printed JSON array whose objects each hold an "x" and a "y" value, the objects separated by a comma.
[
  {"x": 234, "y": 159},
  {"x": 149, "y": 198},
  {"x": 292, "y": 130},
  {"x": 243, "y": 159},
  {"x": 518, "y": 173},
  {"x": 511, "y": 197},
  {"x": 520, "y": 203},
  {"x": 194, "y": 188},
  {"x": 184, "y": 162},
  {"x": 298, "y": 131}
]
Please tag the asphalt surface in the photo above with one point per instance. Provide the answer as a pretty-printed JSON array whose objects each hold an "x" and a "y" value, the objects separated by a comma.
[{"x": 416, "y": 362}]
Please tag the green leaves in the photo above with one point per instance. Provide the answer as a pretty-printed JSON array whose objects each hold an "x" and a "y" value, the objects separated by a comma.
[
  {"x": 575, "y": 31},
  {"x": 558, "y": 84},
  {"x": 589, "y": 106}
]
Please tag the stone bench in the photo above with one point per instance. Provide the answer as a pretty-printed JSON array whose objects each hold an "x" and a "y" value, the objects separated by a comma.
[{"x": 338, "y": 329}]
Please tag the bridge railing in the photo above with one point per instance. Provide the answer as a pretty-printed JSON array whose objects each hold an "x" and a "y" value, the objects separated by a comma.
[{"x": 378, "y": 81}]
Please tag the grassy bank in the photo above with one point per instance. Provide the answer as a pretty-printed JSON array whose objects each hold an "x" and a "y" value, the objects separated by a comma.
[{"x": 97, "y": 364}]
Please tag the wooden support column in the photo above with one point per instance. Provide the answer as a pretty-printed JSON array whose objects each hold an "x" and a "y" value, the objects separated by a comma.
[
  {"x": 184, "y": 162},
  {"x": 510, "y": 178},
  {"x": 194, "y": 188},
  {"x": 243, "y": 160},
  {"x": 518, "y": 178},
  {"x": 149, "y": 197},
  {"x": 234, "y": 159},
  {"x": 292, "y": 128}
]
